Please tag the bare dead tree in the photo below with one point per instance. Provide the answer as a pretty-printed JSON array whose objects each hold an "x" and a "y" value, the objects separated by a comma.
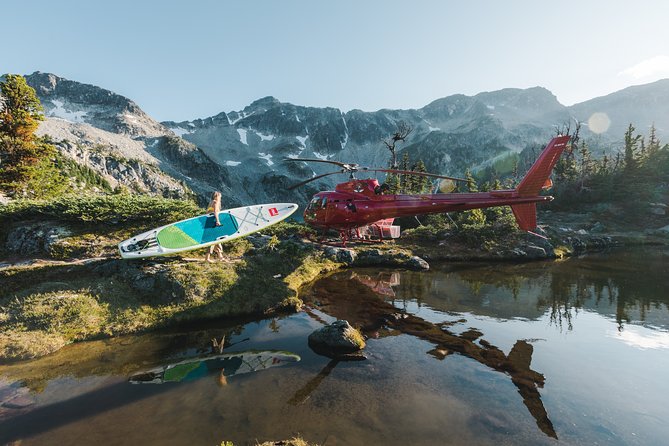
[
  {"x": 574, "y": 137},
  {"x": 403, "y": 130}
]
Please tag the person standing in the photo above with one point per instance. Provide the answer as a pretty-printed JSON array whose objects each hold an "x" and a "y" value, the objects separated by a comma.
[{"x": 215, "y": 207}]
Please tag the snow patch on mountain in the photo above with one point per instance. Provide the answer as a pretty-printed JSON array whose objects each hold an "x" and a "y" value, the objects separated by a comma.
[
  {"x": 232, "y": 163},
  {"x": 302, "y": 140},
  {"x": 240, "y": 115},
  {"x": 343, "y": 144},
  {"x": 180, "y": 131},
  {"x": 242, "y": 136},
  {"x": 60, "y": 112},
  {"x": 267, "y": 157},
  {"x": 264, "y": 137}
]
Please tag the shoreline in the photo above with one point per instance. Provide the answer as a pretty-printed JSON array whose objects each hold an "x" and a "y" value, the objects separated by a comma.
[{"x": 55, "y": 301}]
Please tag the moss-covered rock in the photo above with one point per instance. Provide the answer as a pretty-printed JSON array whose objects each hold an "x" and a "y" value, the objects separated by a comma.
[{"x": 337, "y": 340}]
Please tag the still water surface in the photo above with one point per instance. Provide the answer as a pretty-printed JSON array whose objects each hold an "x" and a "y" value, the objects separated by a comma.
[{"x": 572, "y": 352}]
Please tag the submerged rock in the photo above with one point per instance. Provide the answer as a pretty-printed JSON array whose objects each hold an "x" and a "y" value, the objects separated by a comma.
[{"x": 338, "y": 340}]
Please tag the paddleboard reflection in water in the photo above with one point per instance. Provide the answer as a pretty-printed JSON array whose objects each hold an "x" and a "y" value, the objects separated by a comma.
[{"x": 226, "y": 364}]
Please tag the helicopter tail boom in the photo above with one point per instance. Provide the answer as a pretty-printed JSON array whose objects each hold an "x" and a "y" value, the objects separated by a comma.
[{"x": 538, "y": 176}]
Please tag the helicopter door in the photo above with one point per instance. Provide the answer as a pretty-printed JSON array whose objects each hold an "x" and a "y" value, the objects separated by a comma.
[{"x": 325, "y": 209}]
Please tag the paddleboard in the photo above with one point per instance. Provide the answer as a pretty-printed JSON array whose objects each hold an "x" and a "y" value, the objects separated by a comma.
[
  {"x": 229, "y": 364},
  {"x": 201, "y": 231}
]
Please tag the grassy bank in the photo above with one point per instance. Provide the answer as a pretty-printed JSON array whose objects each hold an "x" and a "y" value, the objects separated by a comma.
[
  {"x": 47, "y": 305},
  {"x": 44, "y": 308}
]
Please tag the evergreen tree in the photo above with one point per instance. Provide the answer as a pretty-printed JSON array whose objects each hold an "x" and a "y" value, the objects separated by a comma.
[
  {"x": 405, "y": 180},
  {"x": 653, "y": 145},
  {"x": 475, "y": 218},
  {"x": 393, "y": 183},
  {"x": 20, "y": 109},
  {"x": 631, "y": 149},
  {"x": 471, "y": 182},
  {"x": 420, "y": 183},
  {"x": 27, "y": 163}
]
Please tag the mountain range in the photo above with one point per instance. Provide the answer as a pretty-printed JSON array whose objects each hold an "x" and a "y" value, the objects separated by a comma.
[{"x": 242, "y": 152}]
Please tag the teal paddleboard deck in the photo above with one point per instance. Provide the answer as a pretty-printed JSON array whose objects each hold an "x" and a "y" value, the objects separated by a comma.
[
  {"x": 202, "y": 231},
  {"x": 197, "y": 231}
]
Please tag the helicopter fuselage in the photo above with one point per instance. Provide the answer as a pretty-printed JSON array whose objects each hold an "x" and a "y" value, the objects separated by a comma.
[{"x": 358, "y": 203}]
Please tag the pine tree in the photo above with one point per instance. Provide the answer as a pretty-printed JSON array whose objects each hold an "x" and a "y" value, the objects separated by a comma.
[
  {"x": 653, "y": 144},
  {"x": 27, "y": 163},
  {"x": 393, "y": 183},
  {"x": 20, "y": 109},
  {"x": 631, "y": 156},
  {"x": 475, "y": 218},
  {"x": 405, "y": 180},
  {"x": 471, "y": 182},
  {"x": 420, "y": 183}
]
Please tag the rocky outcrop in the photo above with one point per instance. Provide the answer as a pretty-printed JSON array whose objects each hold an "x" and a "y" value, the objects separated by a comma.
[
  {"x": 132, "y": 174},
  {"x": 376, "y": 257},
  {"x": 34, "y": 238}
]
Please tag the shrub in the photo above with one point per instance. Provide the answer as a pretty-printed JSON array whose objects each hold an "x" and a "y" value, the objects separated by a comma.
[{"x": 106, "y": 209}]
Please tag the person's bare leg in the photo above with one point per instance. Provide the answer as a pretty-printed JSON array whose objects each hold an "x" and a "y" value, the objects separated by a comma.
[{"x": 208, "y": 258}]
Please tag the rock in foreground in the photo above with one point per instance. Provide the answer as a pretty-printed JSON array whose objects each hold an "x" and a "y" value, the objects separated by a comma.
[{"x": 337, "y": 340}]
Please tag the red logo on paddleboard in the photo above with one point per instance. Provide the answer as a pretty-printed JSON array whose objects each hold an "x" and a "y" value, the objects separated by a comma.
[{"x": 273, "y": 212}]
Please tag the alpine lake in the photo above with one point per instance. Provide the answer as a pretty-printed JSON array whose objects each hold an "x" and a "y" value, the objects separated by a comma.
[{"x": 550, "y": 352}]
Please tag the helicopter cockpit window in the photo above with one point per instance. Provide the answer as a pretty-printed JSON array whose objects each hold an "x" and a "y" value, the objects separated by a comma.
[
  {"x": 325, "y": 202},
  {"x": 314, "y": 204}
]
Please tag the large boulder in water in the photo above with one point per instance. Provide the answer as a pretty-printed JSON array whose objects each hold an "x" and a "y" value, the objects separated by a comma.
[{"x": 336, "y": 340}]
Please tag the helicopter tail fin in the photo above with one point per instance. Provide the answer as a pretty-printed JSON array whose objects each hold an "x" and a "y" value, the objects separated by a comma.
[
  {"x": 526, "y": 215},
  {"x": 537, "y": 177}
]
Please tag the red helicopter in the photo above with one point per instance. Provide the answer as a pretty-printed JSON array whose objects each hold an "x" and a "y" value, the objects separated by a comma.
[{"x": 360, "y": 208}]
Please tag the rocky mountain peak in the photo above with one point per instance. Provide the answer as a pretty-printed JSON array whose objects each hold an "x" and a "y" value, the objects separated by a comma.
[
  {"x": 263, "y": 104},
  {"x": 77, "y": 102},
  {"x": 528, "y": 98}
]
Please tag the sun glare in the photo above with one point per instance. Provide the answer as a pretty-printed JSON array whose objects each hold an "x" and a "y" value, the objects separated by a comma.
[{"x": 599, "y": 122}]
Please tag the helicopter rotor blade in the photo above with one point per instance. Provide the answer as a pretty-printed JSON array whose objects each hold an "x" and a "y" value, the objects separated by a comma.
[
  {"x": 336, "y": 163},
  {"x": 315, "y": 178},
  {"x": 424, "y": 174}
]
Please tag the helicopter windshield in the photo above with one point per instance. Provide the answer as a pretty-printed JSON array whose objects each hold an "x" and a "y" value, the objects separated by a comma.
[{"x": 314, "y": 204}]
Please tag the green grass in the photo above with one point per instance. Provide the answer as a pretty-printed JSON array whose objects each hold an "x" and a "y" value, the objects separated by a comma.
[
  {"x": 64, "y": 304},
  {"x": 103, "y": 209}
]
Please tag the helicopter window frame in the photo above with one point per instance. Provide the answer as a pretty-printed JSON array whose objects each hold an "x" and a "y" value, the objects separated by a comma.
[{"x": 314, "y": 204}]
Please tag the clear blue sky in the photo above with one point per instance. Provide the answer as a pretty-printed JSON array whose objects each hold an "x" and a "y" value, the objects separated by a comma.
[{"x": 182, "y": 60}]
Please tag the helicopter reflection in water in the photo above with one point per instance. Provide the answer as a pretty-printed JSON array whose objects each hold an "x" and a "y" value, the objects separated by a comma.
[{"x": 348, "y": 297}]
